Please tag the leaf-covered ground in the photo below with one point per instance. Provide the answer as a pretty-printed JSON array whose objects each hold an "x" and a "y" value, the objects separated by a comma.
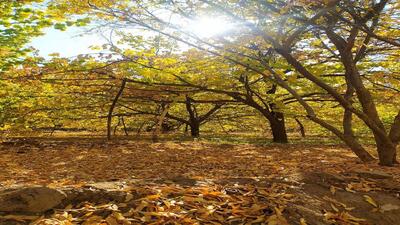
[{"x": 204, "y": 183}]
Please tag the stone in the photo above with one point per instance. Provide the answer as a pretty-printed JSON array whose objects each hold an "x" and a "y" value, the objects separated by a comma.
[
  {"x": 30, "y": 199},
  {"x": 98, "y": 193},
  {"x": 106, "y": 185},
  {"x": 375, "y": 174}
]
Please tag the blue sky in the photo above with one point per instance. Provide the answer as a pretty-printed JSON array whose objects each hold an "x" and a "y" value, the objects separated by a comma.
[{"x": 68, "y": 43}]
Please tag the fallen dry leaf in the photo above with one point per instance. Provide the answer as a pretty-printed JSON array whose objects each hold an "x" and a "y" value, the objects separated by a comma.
[{"x": 371, "y": 201}]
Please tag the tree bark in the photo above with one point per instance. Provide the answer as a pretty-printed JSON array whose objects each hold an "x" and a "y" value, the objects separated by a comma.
[
  {"x": 116, "y": 126},
  {"x": 350, "y": 141},
  {"x": 385, "y": 147},
  {"x": 358, "y": 149},
  {"x": 278, "y": 128},
  {"x": 348, "y": 115},
  {"x": 195, "y": 129},
  {"x": 394, "y": 134},
  {"x": 125, "y": 129},
  {"x": 301, "y": 128},
  {"x": 110, "y": 112},
  {"x": 140, "y": 127},
  {"x": 386, "y": 152},
  {"x": 186, "y": 129},
  {"x": 275, "y": 119},
  {"x": 157, "y": 130}
]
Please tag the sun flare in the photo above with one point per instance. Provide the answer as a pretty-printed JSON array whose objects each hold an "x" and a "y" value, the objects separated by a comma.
[{"x": 208, "y": 27}]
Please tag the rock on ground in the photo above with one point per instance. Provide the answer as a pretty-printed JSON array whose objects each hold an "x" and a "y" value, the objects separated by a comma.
[{"x": 30, "y": 199}]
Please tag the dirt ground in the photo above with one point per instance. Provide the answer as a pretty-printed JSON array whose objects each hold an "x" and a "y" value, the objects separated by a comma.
[{"x": 245, "y": 184}]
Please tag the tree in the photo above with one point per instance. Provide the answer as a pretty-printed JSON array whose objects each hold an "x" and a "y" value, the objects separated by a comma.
[
  {"x": 349, "y": 29},
  {"x": 20, "y": 21},
  {"x": 311, "y": 38},
  {"x": 206, "y": 73}
]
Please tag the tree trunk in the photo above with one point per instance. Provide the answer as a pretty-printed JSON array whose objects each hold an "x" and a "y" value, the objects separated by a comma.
[
  {"x": 394, "y": 134},
  {"x": 110, "y": 112},
  {"x": 301, "y": 128},
  {"x": 116, "y": 126},
  {"x": 358, "y": 149},
  {"x": 278, "y": 128},
  {"x": 195, "y": 129},
  {"x": 125, "y": 129},
  {"x": 141, "y": 127},
  {"x": 386, "y": 152},
  {"x": 186, "y": 129},
  {"x": 157, "y": 130},
  {"x": 350, "y": 141}
]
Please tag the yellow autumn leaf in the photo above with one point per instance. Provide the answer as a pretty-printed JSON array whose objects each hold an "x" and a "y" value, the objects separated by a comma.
[
  {"x": 370, "y": 200},
  {"x": 118, "y": 216},
  {"x": 259, "y": 219},
  {"x": 333, "y": 190},
  {"x": 93, "y": 220},
  {"x": 152, "y": 197},
  {"x": 111, "y": 220},
  {"x": 142, "y": 205},
  {"x": 347, "y": 217},
  {"x": 128, "y": 197},
  {"x": 277, "y": 220},
  {"x": 349, "y": 188},
  {"x": 334, "y": 208}
]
